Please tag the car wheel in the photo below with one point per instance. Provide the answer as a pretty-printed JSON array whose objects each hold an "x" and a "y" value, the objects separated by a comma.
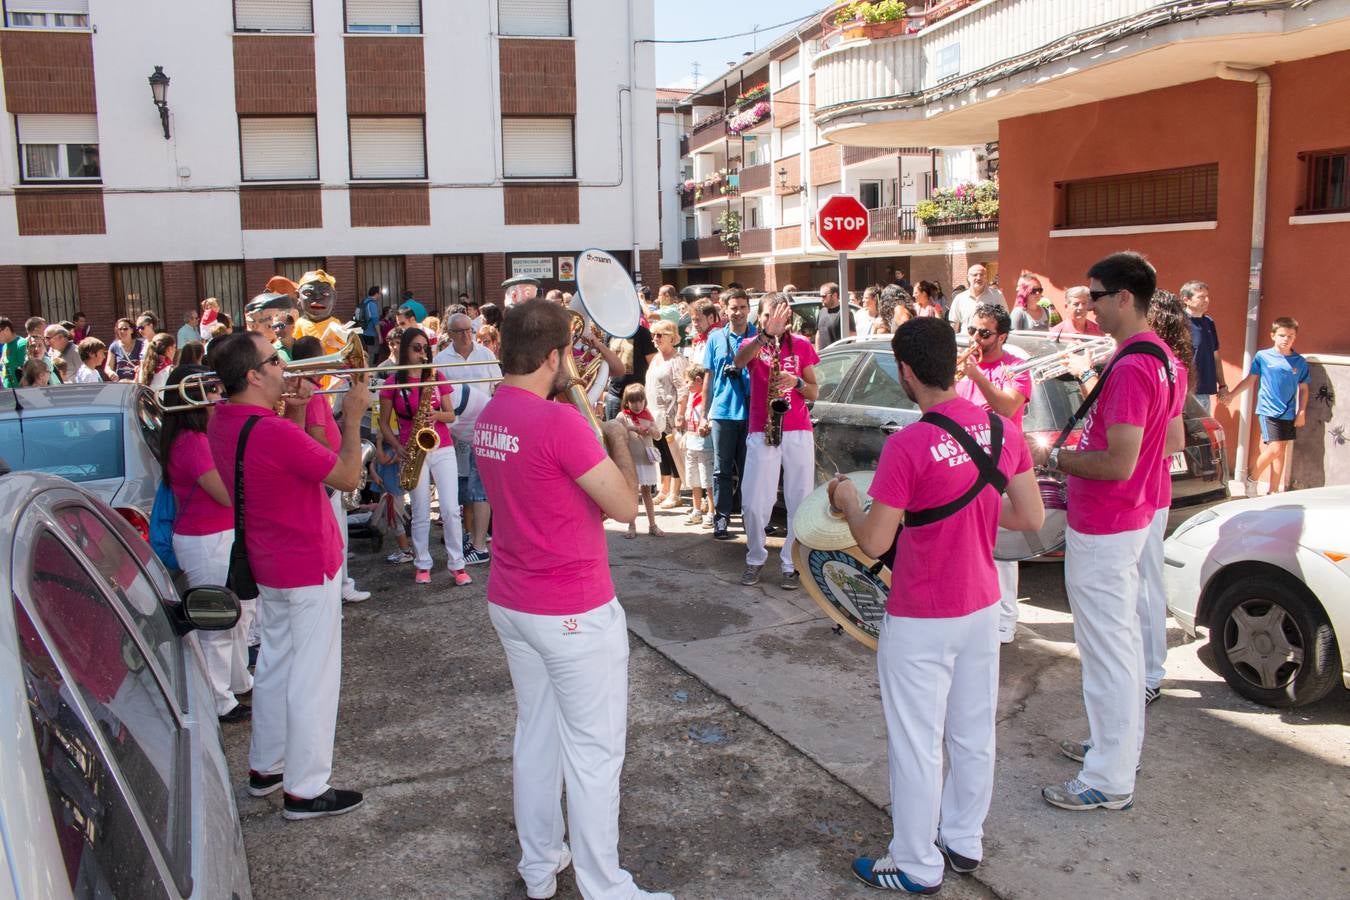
[{"x": 1272, "y": 642}]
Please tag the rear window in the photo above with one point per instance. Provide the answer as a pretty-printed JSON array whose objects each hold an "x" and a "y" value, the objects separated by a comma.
[{"x": 79, "y": 448}]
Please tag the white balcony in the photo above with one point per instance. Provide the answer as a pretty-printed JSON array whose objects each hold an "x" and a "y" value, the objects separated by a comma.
[{"x": 952, "y": 81}]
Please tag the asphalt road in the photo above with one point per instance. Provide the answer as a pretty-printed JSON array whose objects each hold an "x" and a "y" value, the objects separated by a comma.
[{"x": 756, "y": 755}]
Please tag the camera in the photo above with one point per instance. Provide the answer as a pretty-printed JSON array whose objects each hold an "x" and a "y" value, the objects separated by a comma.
[{"x": 730, "y": 371}]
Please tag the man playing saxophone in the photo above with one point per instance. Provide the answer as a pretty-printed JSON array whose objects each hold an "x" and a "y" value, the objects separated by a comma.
[{"x": 422, "y": 413}]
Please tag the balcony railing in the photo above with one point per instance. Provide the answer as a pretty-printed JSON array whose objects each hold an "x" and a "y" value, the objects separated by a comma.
[
  {"x": 756, "y": 178},
  {"x": 893, "y": 223},
  {"x": 855, "y": 155},
  {"x": 757, "y": 240},
  {"x": 980, "y": 225},
  {"x": 698, "y": 249},
  {"x": 709, "y": 131}
]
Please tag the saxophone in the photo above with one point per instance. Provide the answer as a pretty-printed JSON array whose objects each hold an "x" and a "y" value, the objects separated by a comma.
[
  {"x": 424, "y": 439},
  {"x": 778, "y": 401}
]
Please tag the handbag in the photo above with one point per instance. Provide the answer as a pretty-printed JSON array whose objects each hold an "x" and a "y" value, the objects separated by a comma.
[
  {"x": 240, "y": 577},
  {"x": 653, "y": 455}
]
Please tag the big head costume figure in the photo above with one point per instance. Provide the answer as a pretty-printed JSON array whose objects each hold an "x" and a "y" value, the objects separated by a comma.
[{"x": 318, "y": 292}]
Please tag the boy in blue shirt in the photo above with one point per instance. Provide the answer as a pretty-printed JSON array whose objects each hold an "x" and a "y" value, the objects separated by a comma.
[{"x": 1281, "y": 400}]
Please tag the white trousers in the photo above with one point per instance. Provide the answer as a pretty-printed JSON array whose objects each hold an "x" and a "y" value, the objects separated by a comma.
[
  {"x": 796, "y": 458},
  {"x": 205, "y": 559},
  {"x": 939, "y": 686},
  {"x": 1101, "y": 576},
  {"x": 340, "y": 514},
  {"x": 296, "y": 685},
  {"x": 440, "y": 466},
  {"x": 570, "y": 675},
  {"x": 1007, "y": 597},
  {"x": 1153, "y": 603}
]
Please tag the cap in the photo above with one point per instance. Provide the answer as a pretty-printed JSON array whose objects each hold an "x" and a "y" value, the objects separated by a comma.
[
  {"x": 406, "y": 310},
  {"x": 280, "y": 284},
  {"x": 317, "y": 275},
  {"x": 519, "y": 280},
  {"x": 268, "y": 300}
]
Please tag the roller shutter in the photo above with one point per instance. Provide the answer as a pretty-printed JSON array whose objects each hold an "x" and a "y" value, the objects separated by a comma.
[
  {"x": 537, "y": 148},
  {"x": 279, "y": 149},
  {"x": 402, "y": 16},
  {"x": 273, "y": 15},
  {"x": 388, "y": 148},
  {"x": 550, "y": 18},
  {"x": 57, "y": 129}
]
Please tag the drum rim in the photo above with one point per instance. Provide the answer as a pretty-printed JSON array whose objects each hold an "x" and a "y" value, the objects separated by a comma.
[{"x": 801, "y": 556}]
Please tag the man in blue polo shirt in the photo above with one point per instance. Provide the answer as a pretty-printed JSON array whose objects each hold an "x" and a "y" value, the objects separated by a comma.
[
  {"x": 729, "y": 409},
  {"x": 1209, "y": 379}
]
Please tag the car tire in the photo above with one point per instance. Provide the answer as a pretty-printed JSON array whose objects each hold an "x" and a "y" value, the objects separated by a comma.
[{"x": 1272, "y": 642}]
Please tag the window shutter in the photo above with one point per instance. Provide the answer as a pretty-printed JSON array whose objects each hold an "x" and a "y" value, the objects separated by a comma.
[
  {"x": 279, "y": 149},
  {"x": 388, "y": 148},
  {"x": 380, "y": 13},
  {"x": 273, "y": 15},
  {"x": 537, "y": 148},
  {"x": 534, "y": 17},
  {"x": 790, "y": 70},
  {"x": 57, "y": 129},
  {"x": 49, "y": 6}
]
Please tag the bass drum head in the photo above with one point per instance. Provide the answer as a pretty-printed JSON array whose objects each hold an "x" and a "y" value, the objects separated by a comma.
[
  {"x": 607, "y": 293},
  {"x": 1018, "y": 546},
  {"x": 842, "y": 584}
]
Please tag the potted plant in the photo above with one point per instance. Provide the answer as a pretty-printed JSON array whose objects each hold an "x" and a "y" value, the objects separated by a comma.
[
  {"x": 730, "y": 223},
  {"x": 951, "y": 210},
  {"x": 751, "y": 95},
  {"x": 872, "y": 19}
]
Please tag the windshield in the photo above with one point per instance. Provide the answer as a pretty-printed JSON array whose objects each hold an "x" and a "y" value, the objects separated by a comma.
[{"x": 80, "y": 448}]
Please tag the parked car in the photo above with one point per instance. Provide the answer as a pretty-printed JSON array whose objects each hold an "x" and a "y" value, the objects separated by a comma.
[
  {"x": 861, "y": 402},
  {"x": 104, "y": 437},
  {"x": 1269, "y": 578},
  {"x": 115, "y": 780}
]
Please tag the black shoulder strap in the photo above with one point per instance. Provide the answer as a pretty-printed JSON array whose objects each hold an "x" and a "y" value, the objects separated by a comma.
[
  {"x": 239, "y": 479},
  {"x": 1146, "y": 348},
  {"x": 987, "y": 464}
]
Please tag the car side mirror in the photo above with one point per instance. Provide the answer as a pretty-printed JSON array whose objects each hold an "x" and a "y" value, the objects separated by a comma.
[{"x": 207, "y": 608}]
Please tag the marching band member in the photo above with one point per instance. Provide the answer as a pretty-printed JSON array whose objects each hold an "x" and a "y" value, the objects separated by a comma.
[
  {"x": 1113, "y": 483},
  {"x": 937, "y": 654},
  {"x": 987, "y": 380},
  {"x": 552, "y": 601},
  {"x": 781, "y": 364},
  {"x": 417, "y": 408},
  {"x": 296, "y": 556}
]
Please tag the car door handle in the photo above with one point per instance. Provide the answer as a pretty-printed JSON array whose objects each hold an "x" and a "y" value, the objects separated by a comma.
[
  {"x": 891, "y": 427},
  {"x": 815, "y": 421}
]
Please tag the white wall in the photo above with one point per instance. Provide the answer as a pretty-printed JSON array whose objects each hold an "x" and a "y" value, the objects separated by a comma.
[
  {"x": 672, "y": 218},
  {"x": 153, "y": 214}
]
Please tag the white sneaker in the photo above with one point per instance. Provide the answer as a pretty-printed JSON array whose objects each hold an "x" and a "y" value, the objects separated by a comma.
[
  {"x": 1253, "y": 488},
  {"x": 352, "y": 595},
  {"x": 547, "y": 890}
]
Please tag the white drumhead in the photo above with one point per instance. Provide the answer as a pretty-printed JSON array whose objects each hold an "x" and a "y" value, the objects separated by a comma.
[{"x": 607, "y": 293}]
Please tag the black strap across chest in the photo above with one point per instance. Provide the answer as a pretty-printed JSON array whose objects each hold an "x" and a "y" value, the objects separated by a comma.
[
  {"x": 1145, "y": 348},
  {"x": 239, "y": 479},
  {"x": 987, "y": 464}
]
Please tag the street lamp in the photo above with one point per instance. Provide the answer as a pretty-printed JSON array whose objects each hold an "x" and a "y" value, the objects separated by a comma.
[
  {"x": 159, "y": 89},
  {"x": 783, "y": 182}
]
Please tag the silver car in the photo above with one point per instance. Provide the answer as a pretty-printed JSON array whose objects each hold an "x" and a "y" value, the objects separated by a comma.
[{"x": 115, "y": 781}]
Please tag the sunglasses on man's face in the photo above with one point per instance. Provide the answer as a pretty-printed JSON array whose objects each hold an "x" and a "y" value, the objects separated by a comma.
[
  {"x": 984, "y": 333},
  {"x": 1097, "y": 295},
  {"x": 273, "y": 360}
]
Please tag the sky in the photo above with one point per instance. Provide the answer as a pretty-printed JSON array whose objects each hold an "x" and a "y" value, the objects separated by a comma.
[{"x": 685, "y": 19}]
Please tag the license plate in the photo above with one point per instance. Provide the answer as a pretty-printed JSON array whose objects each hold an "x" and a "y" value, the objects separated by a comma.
[{"x": 1179, "y": 463}]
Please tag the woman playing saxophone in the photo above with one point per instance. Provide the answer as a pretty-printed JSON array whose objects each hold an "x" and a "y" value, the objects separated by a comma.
[{"x": 422, "y": 415}]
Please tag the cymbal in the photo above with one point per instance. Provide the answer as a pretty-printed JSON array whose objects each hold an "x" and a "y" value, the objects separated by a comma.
[{"x": 820, "y": 528}]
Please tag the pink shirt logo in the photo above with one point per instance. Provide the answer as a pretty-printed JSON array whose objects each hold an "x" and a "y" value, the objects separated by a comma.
[{"x": 493, "y": 441}]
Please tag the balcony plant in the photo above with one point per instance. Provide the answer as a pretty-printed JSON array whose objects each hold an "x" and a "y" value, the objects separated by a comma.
[
  {"x": 730, "y": 223},
  {"x": 756, "y": 93},
  {"x": 966, "y": 202},
  {"x": 748, "y": 118},
  {"x": 874, "y": 19}
]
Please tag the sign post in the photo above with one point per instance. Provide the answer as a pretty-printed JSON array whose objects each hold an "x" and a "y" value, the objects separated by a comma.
[{"x": 842, "y": 224}]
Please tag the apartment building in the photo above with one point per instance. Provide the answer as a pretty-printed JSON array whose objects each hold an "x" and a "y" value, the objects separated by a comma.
[{"x": 436, "y": 147}]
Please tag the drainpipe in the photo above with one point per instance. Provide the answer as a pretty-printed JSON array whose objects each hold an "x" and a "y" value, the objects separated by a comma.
[
  {"x": 635, "y": 258},
  {"x": 1259, "y": 179}
]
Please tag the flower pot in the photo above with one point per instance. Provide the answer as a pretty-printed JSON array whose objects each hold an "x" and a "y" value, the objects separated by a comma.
[{"x": 885, "y": 29}]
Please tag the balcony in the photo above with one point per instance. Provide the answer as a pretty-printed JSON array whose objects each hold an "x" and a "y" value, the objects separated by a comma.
[
  {"x": 962, "y": 66},
  {"x": 705, "y": 248},
  {"x": 892, "y": 223},
  {"x": 756, "y": 240},
  {"x": 756, "y": 178},
  {"x": 979, "y": 226},
  {"x": 855, "y": 155},
  {"x": 708, "y": 131}
]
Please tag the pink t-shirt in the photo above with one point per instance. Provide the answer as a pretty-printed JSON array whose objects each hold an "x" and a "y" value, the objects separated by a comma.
[
  {"x": 407, "y": 401},
  {"x": 794, "y": 359},
  {"x": 1135, "y": 393},
  {"x": 198, "y": 513},
  {"x": 320, "y": 412},
  {"x": 548, "y": 547},
  {"x": 946, "y": 569},
  {"x": 1066, "y": 327},
  {"x": 1163, "y": 499},
  {"x": 289, "y": 528},
  {"x": 1000, "y": 374}
]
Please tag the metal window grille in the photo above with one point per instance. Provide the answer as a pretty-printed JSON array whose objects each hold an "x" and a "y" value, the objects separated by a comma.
[
  {"x": 1328, "y": 181},
  {"x": 138, "y": 288},
  {"x": 54, "y": 292},
  {"x": 225, "y": 282},
  {"x": 458, "y": 274},
  {"x": 294, "y": 268},
  {"x": 384, "y": 272},
  {"x": 1159, "y": 197}
]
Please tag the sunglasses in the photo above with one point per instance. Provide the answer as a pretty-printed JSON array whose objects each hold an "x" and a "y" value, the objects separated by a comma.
[
  {"x": 1097, "y": 295},
  {"x": 461, "y": 331},
  {"x": 1036, "y": 291},
  {"x": 982, "y": 332},
  {"x": 273, "y": 360},
  {"x": 418, "y": 348}
]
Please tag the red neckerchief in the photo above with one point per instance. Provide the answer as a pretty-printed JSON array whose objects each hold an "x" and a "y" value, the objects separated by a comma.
[{"x": 644, "y": 416}]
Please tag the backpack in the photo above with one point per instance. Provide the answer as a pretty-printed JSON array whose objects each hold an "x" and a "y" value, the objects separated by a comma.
[{"x": 162, "y": 516}]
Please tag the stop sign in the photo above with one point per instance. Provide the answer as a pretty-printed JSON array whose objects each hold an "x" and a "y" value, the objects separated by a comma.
[{"x": 842, "y": 223}]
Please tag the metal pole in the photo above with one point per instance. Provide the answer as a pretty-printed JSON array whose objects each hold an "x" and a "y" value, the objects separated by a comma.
[{"x": 843, "y": 296}]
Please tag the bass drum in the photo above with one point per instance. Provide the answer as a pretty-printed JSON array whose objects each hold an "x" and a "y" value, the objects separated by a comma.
[
  {"x": 842, "y": 584},
  {"x": 1016, "y": 546}
]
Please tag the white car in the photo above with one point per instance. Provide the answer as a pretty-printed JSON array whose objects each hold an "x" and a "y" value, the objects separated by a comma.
[{"x": 1270, "y": 578}]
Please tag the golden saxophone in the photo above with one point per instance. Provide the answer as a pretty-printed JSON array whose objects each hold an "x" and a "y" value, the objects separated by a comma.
[
  {"x": 778, "y": 400},
  {"x": 961, "y": 360},
  {"x": 424, "y": 440}
]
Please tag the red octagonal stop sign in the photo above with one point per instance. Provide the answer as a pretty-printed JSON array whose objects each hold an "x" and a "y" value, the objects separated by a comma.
[{"x": 842, "y": 223}]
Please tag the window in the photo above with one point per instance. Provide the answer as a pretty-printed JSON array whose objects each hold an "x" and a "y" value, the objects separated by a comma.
[
  {"x": 225, "y": 282},
  {"x": 388, "y": 148},
  {"x": 690, "y": 229},
  {"x": 879, "y": 384},
  {"x": 55, "y": 292},
  {"x": 47, "y": 14},
  {"x": 273, "y": 15},
  {"x": 384, "y": 272},
  {"x": 1159, "y": 197},
  {"x": 1327, "y": 182},
  {"x": 58, "y": 147},
  {"x": 384, "y": 16},
  {"x": 138, "y": 288},
  {"x": 537, "y": 148},
  {"x": 530, "y": 18},
  {"x": 790, "y": 140},
  {"x": 279, "y": 149},
  {"x": 296, "y": 267},
  {"x": 790, "y": 209},
  {"x": 869, "y": 192},
  {"x": 455, "y": 275},
  {"x": 830, "y": 372},
  {"x": 79, "y": 448},
  {"x": 790, "y": 70}
]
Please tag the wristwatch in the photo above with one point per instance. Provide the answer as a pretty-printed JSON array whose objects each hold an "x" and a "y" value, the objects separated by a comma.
[
  {"x": 800, "y": 385},
  {"x": 1053, "y": 460},
  {"x": 1087, "y": 376}
]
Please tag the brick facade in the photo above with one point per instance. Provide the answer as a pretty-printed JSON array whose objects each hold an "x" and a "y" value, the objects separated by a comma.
[
  {"x": 343, "y": 269},
  {"x": 419, "y": 275},
  {"x": 787, "y": 106},
  {"x": 546, "y": 203},
  {"x": 494, "y": 273},
  {"x": 96, "y": 297},
  {"x": 649, "y": 265},
  {"x": 385, "y": 76},
  {"x": 49, "y": 211},
  {"x": 180, "y": 293},
  {"x": 792, "y": 165},
  {"x": 788, "y": 237},
  {"x": 274, "y": 75},
  {"x": 48, "y": 72},
  {"x": 14, "y": 301},
  {"x": 264, "y": 208},
  {"x": 378, "y": 206},
  {"x": 826, "y": 164},
  {"x": 538, "y": 78},
  {"x": 256, "y": 275}
]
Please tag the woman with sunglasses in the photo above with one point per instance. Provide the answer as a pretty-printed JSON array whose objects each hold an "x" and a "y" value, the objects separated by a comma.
[
  {"x": 1028, "y": 314},
  {"x": 203, "y": 532},
  {"x": 400, "y": 405},
  {"x": 124, "y": 353}
]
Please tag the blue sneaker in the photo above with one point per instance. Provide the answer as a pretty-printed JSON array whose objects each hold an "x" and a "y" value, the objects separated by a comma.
[
  {"x": 1075, "y": 795},
  {"x": 886, "y": 875},
  {"x": 962, "y": 865}
]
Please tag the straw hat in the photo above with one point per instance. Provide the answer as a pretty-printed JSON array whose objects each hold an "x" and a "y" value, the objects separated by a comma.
[{"x": 817, "y": 527}]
